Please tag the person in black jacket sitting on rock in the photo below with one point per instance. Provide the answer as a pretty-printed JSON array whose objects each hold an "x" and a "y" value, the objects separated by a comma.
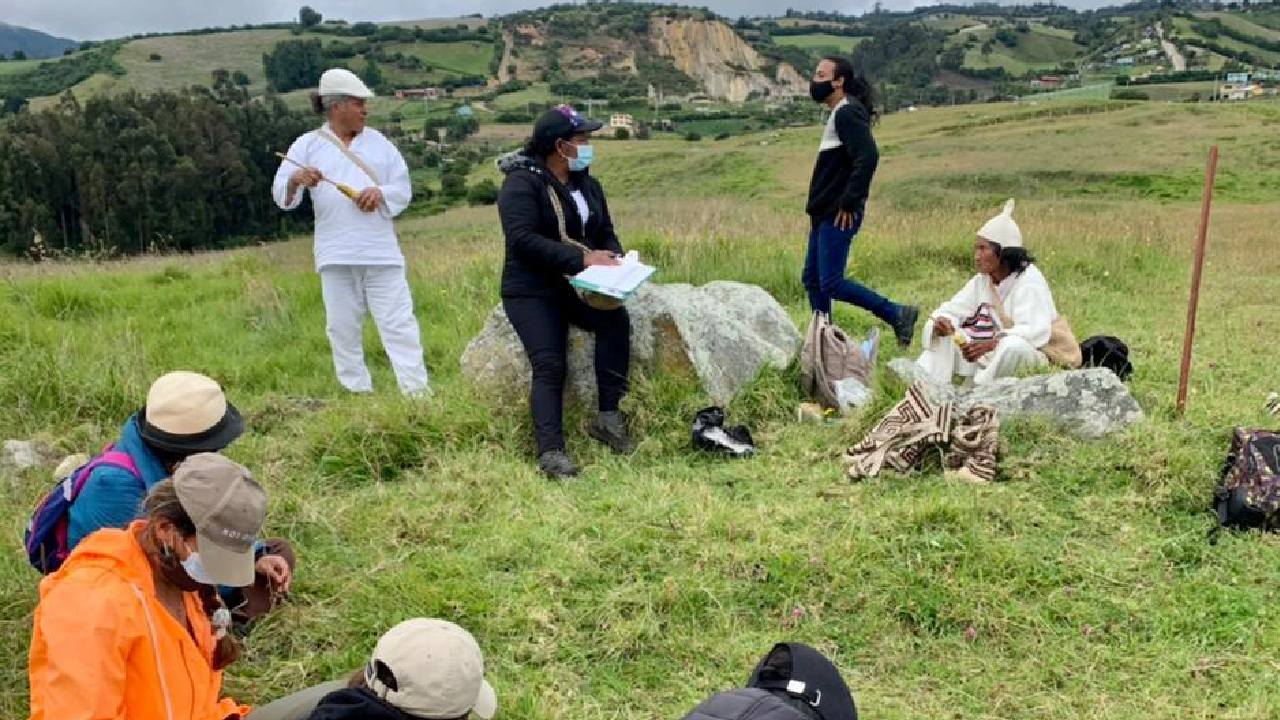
[{"x": 547, "y": 188}]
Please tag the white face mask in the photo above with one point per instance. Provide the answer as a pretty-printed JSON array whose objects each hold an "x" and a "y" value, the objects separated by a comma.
[{"x": 195, "y": 569}]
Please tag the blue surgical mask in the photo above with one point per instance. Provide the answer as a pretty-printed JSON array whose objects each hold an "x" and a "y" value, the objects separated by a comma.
[
  {"x": 195, "y": 569},
  {"x": 585, "y": 154}
]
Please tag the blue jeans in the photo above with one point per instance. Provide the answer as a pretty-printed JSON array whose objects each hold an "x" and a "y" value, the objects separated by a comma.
[{"x": 823, "y": 275}]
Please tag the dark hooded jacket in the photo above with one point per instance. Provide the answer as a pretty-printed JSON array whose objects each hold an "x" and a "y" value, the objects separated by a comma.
[
  {"x": 355, "y": 704},
  {"x": 536, "y": 259}
]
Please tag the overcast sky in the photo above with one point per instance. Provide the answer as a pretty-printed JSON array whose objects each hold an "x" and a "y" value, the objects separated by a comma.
[{"x": 100, "y": 19}]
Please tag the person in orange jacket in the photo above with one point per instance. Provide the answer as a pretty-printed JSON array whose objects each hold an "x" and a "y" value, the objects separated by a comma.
[{"x": 131, "y": 627}]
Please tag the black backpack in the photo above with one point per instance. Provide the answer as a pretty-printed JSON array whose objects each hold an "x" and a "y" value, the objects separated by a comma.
[
  {"x": 1109, "y": 352},
  {"x": 747, "y": 704},
  {"x": 1249, "y": 494}
]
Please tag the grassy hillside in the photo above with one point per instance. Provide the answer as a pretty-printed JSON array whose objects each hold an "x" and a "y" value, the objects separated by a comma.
[
  {"x": 1247, "y": 24},
  {"x": 1081, "y": 586},
  {"x": 184, "y": 60},
  {"x": 821, "y": 42},
  {"x": 1186, "y": 30},
  {"x": 468, "y": 58},
  {"x": 1041, "y": 48}
]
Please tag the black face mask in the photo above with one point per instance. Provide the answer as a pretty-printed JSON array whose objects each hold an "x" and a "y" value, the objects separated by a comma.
[{"x": 820, "y": 91}]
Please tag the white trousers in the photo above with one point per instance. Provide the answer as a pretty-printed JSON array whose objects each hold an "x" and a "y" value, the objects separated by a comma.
[
  {"x": 351, "y": 291},
  {"x": 943, "y": 360}
]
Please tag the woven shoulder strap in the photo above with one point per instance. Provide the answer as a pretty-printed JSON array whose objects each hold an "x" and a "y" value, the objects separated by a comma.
[
  {"x": 997, "y": 304},
  {"x": 559, "y": 211},
  {"x": 359, "y": 161}
]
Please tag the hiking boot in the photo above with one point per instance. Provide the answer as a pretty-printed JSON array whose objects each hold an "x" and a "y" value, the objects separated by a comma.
[
  {"x": 610, "y": 428},
  {"x": 557, "y": 465},
  {"x": 905, "y": 328}
]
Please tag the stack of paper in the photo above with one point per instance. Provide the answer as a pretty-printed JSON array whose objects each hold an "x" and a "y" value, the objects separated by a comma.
[{"x": 617, "y": 281}]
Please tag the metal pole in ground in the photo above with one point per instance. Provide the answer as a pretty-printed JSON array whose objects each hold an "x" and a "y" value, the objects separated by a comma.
[{"x": 1189, "y": 338}]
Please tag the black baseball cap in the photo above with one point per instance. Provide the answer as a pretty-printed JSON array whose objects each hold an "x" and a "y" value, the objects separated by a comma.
[
  {"x": 561, "y": 123},
  {"x": 804, "y": 673}
]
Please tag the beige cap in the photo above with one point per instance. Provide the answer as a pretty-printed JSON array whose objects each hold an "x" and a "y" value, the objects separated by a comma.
[
  {"x": 187, "y": 412},
  {"x": 228, "y": 508},
  {"x": 340, "y": 81},
  {"x": 1002, "y": 230},
  {"x": 431, "y": 669}
]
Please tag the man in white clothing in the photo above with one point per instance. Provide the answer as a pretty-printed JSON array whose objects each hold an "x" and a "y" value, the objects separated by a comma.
[
  {"x": 358, "y": 183},
  {"x": 999, "y": 322}
]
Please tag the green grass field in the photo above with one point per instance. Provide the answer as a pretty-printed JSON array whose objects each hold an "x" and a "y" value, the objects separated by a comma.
[
  {"x": 1271, "y": 58},
  {"x": 1266, "y": 18},
  {"x": 950, "y": 22},
  {"x": 519, "y": 100},
  {"x": 15, "y": 67},
  {"x": 821, "y": 41},
  {"x": 1244, "y": 24},
  {"x": 1081, "y": 586},
  {"x": 1177, "y": 92},
  {"x": 185, "y": 60},
  {"x": 459, "y": 58},
  {"x": 1042, "y": 48}
]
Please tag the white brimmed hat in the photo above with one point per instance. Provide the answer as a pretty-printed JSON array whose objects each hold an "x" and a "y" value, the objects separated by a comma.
[
  {"x": 340, "y": 81},
  {"x": 187, "y": 412},
  {"x": 429, "y": 669},
  {"x": 1002, "y": 230}
]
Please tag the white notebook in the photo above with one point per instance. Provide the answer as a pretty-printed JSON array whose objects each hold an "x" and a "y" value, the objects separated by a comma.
[{"x": 617, "y": 281}]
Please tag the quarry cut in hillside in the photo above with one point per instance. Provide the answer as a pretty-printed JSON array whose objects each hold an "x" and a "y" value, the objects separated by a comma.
[{"x": 711, "y": 52}]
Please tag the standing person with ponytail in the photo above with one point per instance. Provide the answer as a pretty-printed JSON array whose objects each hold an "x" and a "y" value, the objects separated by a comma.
[
  {"x": 131, "y": 625},
  {"x": 847, "y": 159}
]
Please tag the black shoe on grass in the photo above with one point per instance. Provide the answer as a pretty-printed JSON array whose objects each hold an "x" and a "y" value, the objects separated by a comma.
[
  {"x": 557, "y": 465},
  {"x": 610, "y": 428},
  {"x": 905, "y": 328}
]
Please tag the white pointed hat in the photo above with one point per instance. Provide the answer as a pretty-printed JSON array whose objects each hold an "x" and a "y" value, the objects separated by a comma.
[{"x": 1002, "y": 230}]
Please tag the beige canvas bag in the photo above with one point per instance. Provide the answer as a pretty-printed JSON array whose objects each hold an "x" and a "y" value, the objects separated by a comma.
[{"x": 1061, "y": 350}]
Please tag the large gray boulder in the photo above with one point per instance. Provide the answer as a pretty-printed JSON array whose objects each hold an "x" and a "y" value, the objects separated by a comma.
[
  {"x": 721, "y": 334},
  {"x": 1090, "y": 403}
]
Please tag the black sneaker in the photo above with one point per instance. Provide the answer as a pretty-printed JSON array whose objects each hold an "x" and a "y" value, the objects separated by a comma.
[
  {"x": 610, "y": 428},
  {"x": 905, "y": 328},
  {"x": 557, "y": 465}
]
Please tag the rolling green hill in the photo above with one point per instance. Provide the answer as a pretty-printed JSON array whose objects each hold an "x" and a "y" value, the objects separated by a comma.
[
  {"x": 618, "y": 50},
  {"x": 1040, "y": 47}
]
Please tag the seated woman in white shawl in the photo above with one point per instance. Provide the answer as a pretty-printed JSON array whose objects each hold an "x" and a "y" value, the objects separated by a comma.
[{"x": 1002, "y": 320}]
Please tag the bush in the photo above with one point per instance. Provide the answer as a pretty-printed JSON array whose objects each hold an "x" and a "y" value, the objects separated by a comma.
[
  {"x": 692, "y": 136},
  {"x": 621, "y": 134},
  {"x": 453, "y": 185},
  {"x": 483, "y": 193},
  {"x": 723, "y": 136},
  {"x": 1127, "y": 94},
  {"x": 155, "y": 57}
]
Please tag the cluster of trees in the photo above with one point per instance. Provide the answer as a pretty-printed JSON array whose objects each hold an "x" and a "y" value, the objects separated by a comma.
[
  {"x": 456, "y": 128},
  {"x": 904, "y": 54},
  {"x": 294, "y": 64},
  {"x": 129, "y": 173}
]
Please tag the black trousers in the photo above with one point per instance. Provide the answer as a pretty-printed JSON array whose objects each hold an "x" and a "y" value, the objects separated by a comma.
[{"x": 543, "y": 326}]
